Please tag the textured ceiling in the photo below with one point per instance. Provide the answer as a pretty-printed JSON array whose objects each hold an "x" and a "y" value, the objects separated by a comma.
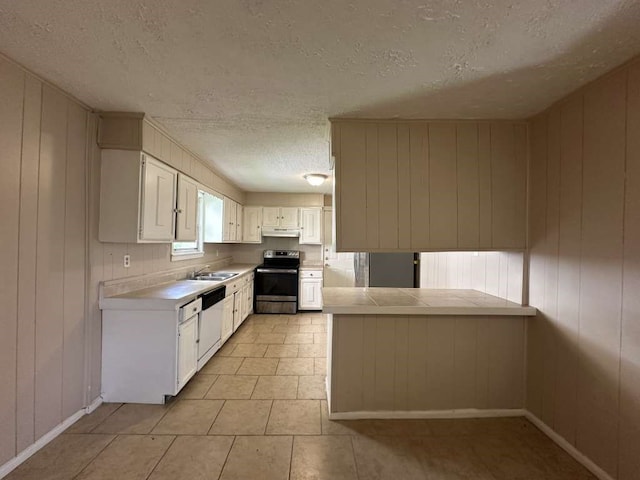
[{"x": 249, "y": 84}]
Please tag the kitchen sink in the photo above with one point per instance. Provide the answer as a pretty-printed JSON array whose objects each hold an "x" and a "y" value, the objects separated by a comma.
[{"x": 215, "y": 276}]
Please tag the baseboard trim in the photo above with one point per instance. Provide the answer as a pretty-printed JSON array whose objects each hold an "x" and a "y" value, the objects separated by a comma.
[
  {"x": 459, "y": 413},
  {"x": 93, "y": 405},
  {"x": 566, "y": 446},
  {"x": 46, "y": 438}
]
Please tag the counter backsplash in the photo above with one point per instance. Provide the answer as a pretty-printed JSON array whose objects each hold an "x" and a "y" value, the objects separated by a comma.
[{"x": 120, "y": 286}]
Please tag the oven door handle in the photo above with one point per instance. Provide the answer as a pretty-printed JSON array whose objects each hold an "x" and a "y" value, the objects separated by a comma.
[{"x": 276, "y": 270}]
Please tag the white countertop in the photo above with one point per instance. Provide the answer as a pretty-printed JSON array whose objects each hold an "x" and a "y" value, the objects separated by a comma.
[
  {"x": 170, "y": 296},
  {"x": 311, "y": 266},
  {"x": 417, "y": 301}
]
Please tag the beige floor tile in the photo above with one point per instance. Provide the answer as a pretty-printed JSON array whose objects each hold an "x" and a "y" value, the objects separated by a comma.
[
  {"x": 95, "y": 418},
  {"x": 317, "y": 350},
  {"x": 448, "y": 427},
  {"x": 63, "y": 458},
  {"x": 299, "y": 338},
  {"x": 511, "y": 458},
  {"x": 232, "y": 387},
  {"x": 221, "y": 366},
  {"x": 295, "y": 366},
  {"x": 226, "y": 350},
  {"x": 258, "y": 366},
  {"x": 312, "y": 329},
  {"x": 286, "y": 329},
  {"x": 344, "y": 427},
  {"x": 320, "y": 366},
  {"x": 294, "y": 417},
  {"x": 270, "y": 338},
  {"x": 264, "y": 458},
  {"x": 320, "y": 319},
  {"x": 388, "y": 458},
  {"x": 242, "y": 417},
  {"x": 189, "y": 417},
  {"x": 320, "y": 338},
  {"x": 323, "y": 458},
  {"x": 128, "y": 457},
  {"x": 193, "y": 458},
  {"x": 249, "y": 350},
  {"x": 279, "y": 351},
  {"x": 243, "y": 337},
  {"x": 401, "y": 427},
  {"x": 451, "y": 457},
  {"x": 276, "y": 387},
  {"x": 312, "y": 387},
  {"x": 300, "y": 320},
  {"x": 266, "y": 328},
  {"x": 197, "y": 387},
  {"x": 133, "y": 418}
]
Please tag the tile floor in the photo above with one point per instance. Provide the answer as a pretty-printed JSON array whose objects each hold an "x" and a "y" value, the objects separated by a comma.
[{"x": 257, "y": 410}]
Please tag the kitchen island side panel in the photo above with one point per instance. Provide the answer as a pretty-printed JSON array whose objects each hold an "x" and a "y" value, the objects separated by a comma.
[{"x": 389, "y": 363}]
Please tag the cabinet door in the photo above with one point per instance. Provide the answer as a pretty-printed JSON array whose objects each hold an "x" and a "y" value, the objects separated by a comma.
[
  {"x": 252, "y": 225},
  {"x": 229, "y": 230},
  {"x": 270, "y": 217},
  {"x": 249, "y": 299},
  {"x": 246, "y": 308},
  {"x": 187, "y": 350},
  {"x": 310, "y": 294},
  {"x": 157, "y": 200},
  {"x": 237, "y": 309},
  {"x": 187, "y": 214},
  {"x": 227, "y": 318},
  {"x": 289, "y": 217},
  {"x": 310, "y": 226},
  {"x": 239, "y": 222}
]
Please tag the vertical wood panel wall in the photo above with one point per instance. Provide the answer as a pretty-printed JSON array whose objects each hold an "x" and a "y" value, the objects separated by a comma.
[
  {"x": 43, "y": 236},
  {"x": 423, "y": 363},
  {"x": 584, "y": 346},
  {"x": 420, "y": 186},
  {"x": 495, "y": 273}
]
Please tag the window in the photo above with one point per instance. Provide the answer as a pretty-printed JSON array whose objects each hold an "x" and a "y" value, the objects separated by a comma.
[{"x": 188, "y": 250}]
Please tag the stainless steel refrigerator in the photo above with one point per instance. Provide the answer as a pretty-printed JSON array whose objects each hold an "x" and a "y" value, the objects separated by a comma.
[{"x": 398, "y": 270}]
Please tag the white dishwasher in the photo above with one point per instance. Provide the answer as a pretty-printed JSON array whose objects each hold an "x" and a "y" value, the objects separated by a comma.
[{"x": 210, "y": 324}]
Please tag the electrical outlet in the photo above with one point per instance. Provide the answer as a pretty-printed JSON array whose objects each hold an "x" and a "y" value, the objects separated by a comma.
[
  {"x": 217, "y": 252},
  {"x": 127, "y": 261}
]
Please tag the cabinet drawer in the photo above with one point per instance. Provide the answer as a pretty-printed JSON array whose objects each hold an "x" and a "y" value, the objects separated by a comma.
[{"x": 310, "y": 273}]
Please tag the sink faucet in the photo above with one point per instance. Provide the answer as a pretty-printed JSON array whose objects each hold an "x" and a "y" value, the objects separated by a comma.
[{"x": 196, "y": 272}]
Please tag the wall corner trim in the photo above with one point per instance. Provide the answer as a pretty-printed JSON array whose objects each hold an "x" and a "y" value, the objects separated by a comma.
[{"x": 567, "y": 447}]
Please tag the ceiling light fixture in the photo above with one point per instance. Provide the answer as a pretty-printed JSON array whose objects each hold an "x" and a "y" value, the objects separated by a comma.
[{"x": 315, "y": 179}]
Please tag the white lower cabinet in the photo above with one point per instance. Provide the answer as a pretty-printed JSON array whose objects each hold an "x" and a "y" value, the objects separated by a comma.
[
  {"x": 237, "y": 309},
  {"x": 310, "y": 290},
  {"x": 187, "y": 350},
  {"x": 148, "y": 354},
  {"x": 227, "y": 319}
]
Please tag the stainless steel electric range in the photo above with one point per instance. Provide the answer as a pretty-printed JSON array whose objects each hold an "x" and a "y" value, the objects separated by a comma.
[{"x": 276, "y": 284}]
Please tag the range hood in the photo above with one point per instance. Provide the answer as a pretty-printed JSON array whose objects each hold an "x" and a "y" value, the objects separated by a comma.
[{"x": 280, "y": 232}]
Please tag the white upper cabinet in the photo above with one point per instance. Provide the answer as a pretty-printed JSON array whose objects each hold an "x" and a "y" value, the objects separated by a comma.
[
  {"x": 252, "y": 225},
  {"x": 285, "y": 217},
  {"x": 137, "y": 198},
  {"x": 311, "y": 226},
  {"x": 187, "y": 213},
  {"x": 230, "y": 224},
  {"x": 158, "y": 200},
  {"x": 289, "y": 217}
]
